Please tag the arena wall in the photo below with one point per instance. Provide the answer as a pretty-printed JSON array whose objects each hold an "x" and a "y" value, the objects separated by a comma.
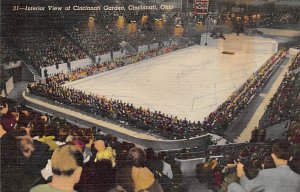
[
  {"x": 241, "y": 43},
  {"x": 157, "y": 144}
]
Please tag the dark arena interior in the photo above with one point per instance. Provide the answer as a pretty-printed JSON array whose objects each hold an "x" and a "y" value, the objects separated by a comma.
[{"x": 150, "y": 95}]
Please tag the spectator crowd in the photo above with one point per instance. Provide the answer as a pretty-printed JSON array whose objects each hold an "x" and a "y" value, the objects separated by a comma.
[
  {"x": 157, "y": 122},
  {"x": 221, "y": 172},
  {"x": 37, "y": 149},
  {"x": 42, "y": 152},
  {"x": 100, "y": 67}
]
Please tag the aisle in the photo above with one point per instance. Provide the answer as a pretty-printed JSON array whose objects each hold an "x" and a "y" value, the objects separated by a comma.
[{"x": 265, "y": 98}]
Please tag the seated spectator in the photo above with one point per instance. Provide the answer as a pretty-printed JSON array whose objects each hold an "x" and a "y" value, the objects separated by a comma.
[
  {"x": 153, "y": 163},
  {"x": 255, "y": 166},
  {"x": 295, "y": 162},
  {"x": 167, "y": 170},
  {"x": 205, "y": 172},
  {"x": 136, "y": 176},
  {"x": 22, "y": 158},
  {"x": 67, "y": 162},
  {"x": 97, "y": 176},
  {"x": 261, "y": 135},
  {"x": 3, "y": 108},
  {"x": 35, "y": 153},
  {"x": 177, "y": 175},
  {"x": 229, "y": 173},
  {"x": 10, "y": 165},
  {"x": 268, "y": 163},
  {"x": 157, "y": 167},
  {"x": 9, "y": 122},
  {"x": 254, "y": 135},
  {"x": 8, "y": 119},
  {"x": 84, "y": 148},
  {"x": 296, "y": 137},
  {"x": 278, "y": 179},
  {"x": 104, "y": 152}
]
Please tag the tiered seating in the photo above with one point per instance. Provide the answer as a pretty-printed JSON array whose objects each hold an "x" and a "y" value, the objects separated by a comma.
[
  {"x": 286, "y": 100},
  {"x": 45, "y": 48},
  {"x": 7, "y": 54},
  {"x": 97, "y": 42}
]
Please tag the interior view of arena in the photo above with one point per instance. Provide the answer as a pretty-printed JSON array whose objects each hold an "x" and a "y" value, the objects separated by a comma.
[{"x": 156, "y": 96}]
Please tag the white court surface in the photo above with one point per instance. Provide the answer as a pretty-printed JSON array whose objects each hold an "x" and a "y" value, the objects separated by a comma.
[{"x": 189, "y": 83}]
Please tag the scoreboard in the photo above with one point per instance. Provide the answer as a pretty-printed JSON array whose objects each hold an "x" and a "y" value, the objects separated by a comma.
[{"x": 201, "y": 7}]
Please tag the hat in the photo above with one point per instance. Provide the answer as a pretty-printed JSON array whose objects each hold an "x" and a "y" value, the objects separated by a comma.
[
  {"x": 8, "y": 122},
  {"x": 23, "y": 120},
  {"x": 78, "y": 143},
  {"x": 254, "y": 156}
]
